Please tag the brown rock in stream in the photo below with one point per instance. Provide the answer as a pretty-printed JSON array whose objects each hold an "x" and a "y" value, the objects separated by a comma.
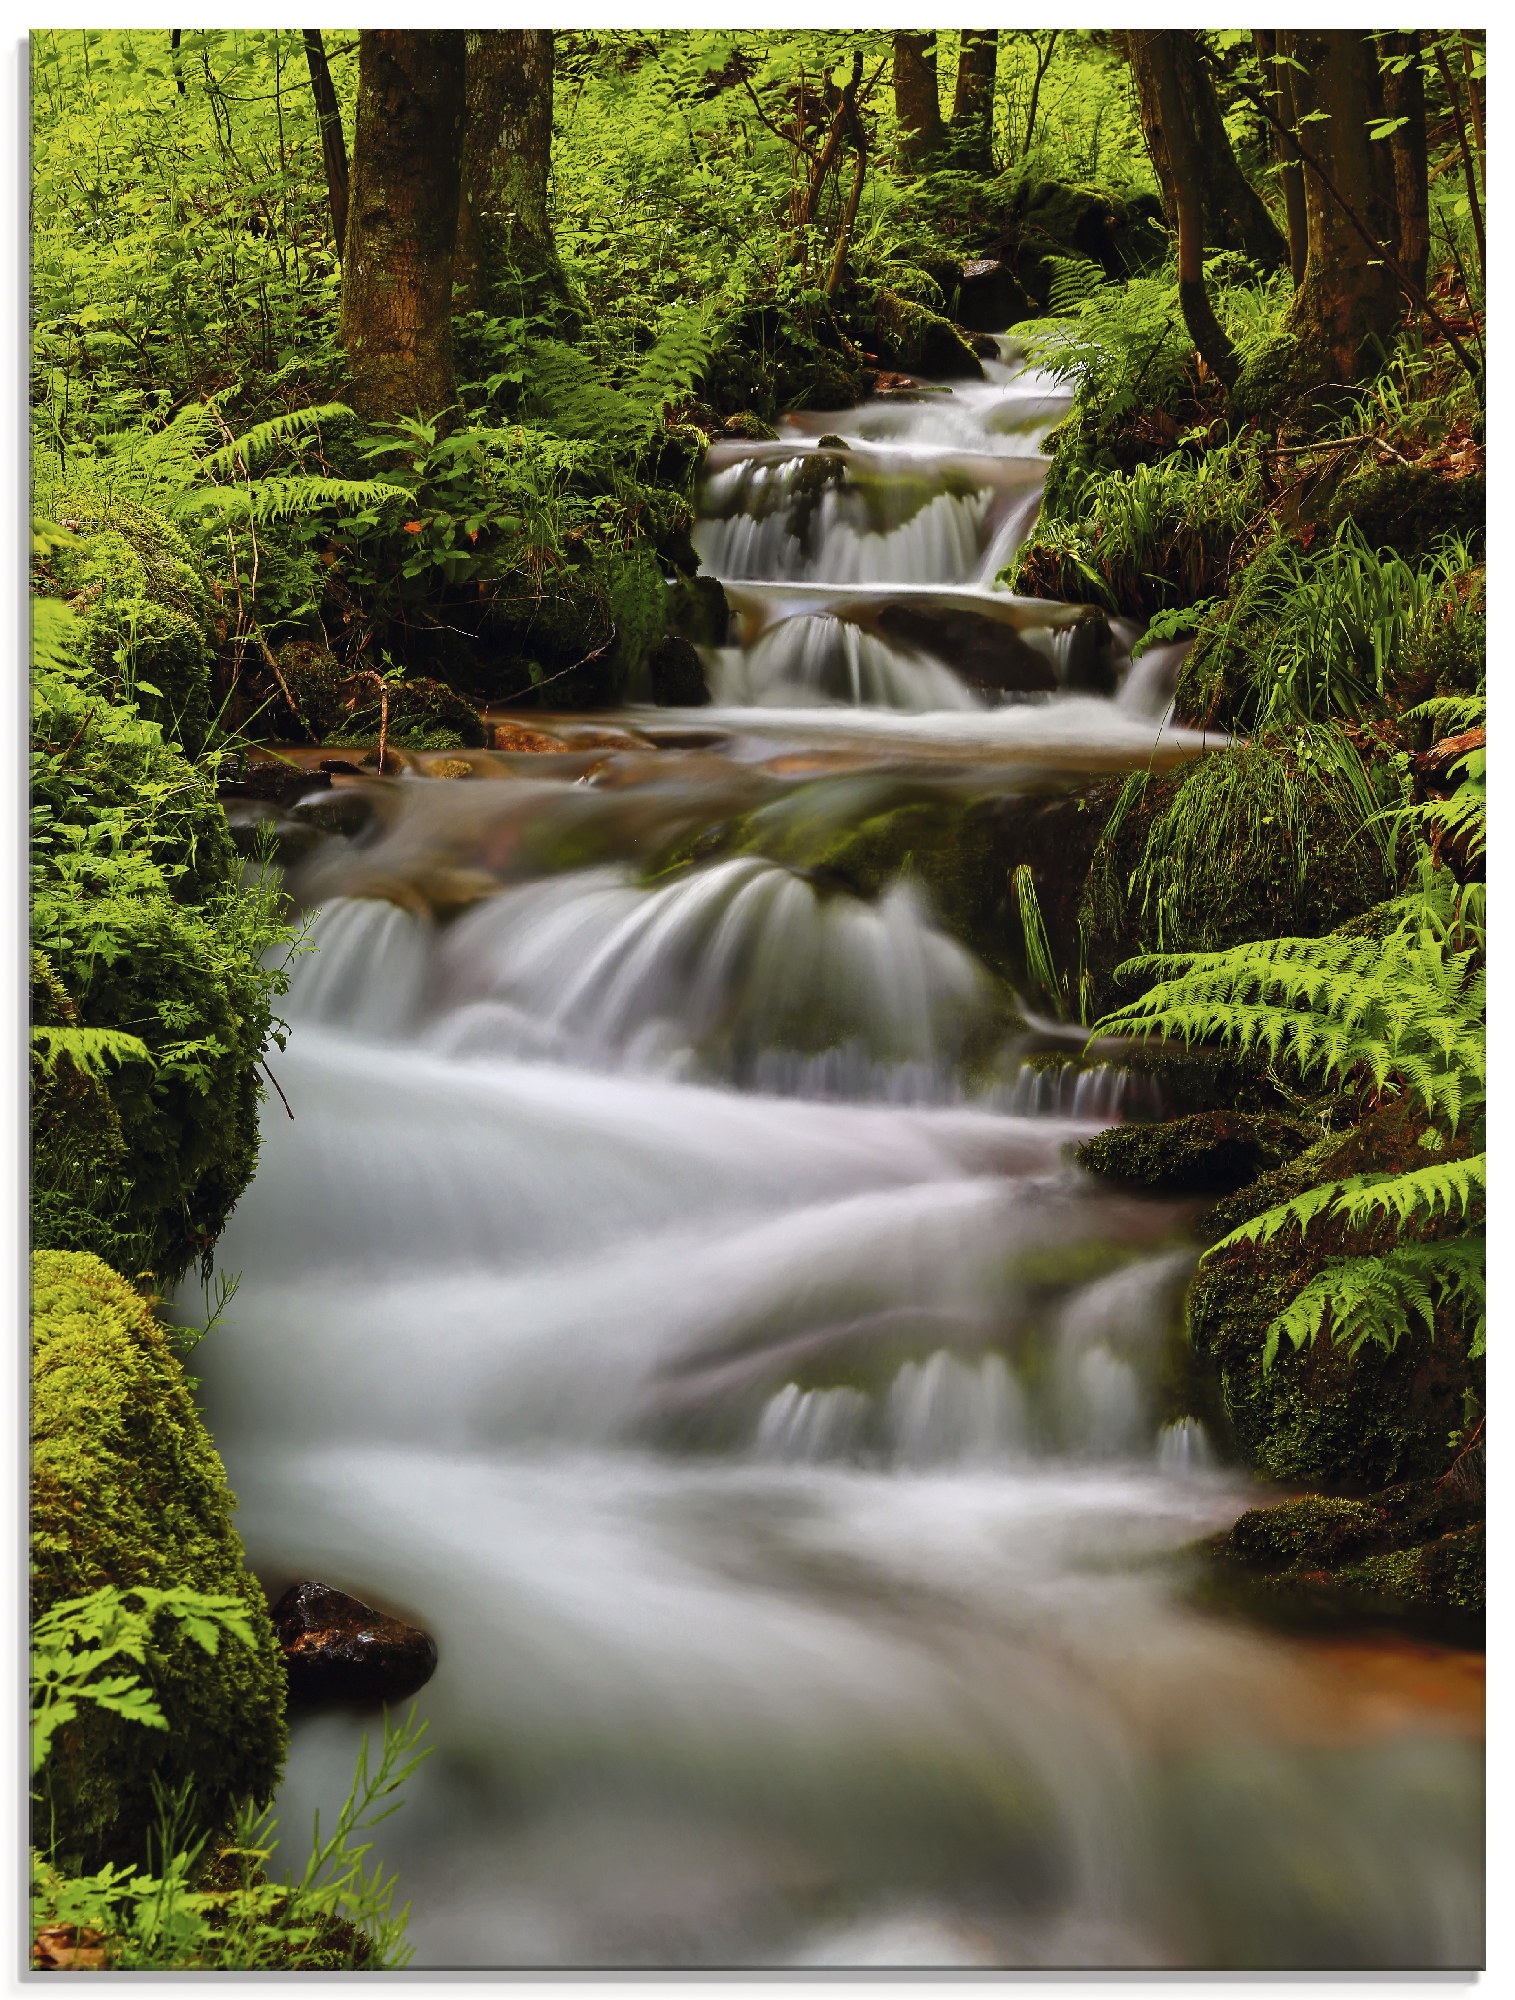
[
  {"x": 984, "y": 651},
  {"x": 338, "y": 1649}
]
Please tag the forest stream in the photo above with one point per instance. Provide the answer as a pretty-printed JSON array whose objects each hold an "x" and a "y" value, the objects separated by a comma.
[{"x": 676, "y": 1295}]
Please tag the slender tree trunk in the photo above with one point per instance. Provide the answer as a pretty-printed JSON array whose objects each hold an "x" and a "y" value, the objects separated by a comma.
[
  {"x": 1162, "y": 64},
  {"x": 916, "y": 104},
  {"x": 1349, "y": 302},
  {"x": 1404, "y": 96},
  {"x": 507, "y": 258},
  {"x": 1470, "y": 178},
  {"x": 972, "y": 128},
  {"x": 175, "y": 36},
  {"x": 1278, "y": 88},
  {"x": 1233, "y": 215},
  {"x": 402, "y": 221},
  {"x": 1044, "y": 56},
  {"x": 333, "y": 145}
]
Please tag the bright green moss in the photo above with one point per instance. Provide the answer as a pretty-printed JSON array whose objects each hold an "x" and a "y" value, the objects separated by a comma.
[
  {"x": 148, "y": 614},
  {"x": 144, "y": 925},
  {"x": 126, "y": 1488}
]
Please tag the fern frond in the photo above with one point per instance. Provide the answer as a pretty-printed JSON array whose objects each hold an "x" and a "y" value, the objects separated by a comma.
[
  {"x": 91, "y": 1050},
  {"x": 1447, "y": 1185},
  {"x": 1450, "y": 714},
  {"x": 287, "y": 498},
  {"x": 1376, "y": 1298},
  {"x": 244, "y": 454},
  {"x": 1403, "y": 1014}
]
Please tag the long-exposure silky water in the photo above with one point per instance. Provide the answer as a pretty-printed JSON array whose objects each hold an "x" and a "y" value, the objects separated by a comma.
[{"x": 674, "y": 1294}]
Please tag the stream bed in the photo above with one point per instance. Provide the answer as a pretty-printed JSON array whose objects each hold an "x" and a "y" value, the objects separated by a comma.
[{"x": 659, "y": 1295}]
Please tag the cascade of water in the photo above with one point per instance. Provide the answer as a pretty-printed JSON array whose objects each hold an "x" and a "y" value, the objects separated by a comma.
[
  {"x": 820, "y": 660},
  {"x": 785, "y": 1481}
]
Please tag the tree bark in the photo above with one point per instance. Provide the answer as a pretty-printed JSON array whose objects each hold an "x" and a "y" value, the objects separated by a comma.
[
  {"x": 1233, "y": 215},
  {"x": 972, "y": 128},
  {"x": 507, "y": 258},
  {"x": 402, "y": 222},
  {"x": 1278, "y": 88},
  {"x": 333, "y": 145},
  {"x": 1163, "y": 65},
  {"x": 1404, "y": 96},
  {"x": 1348, "y": 304},
  {"x": 916, "y": 104}
]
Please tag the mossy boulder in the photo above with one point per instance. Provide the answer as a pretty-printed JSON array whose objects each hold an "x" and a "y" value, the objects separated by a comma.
[
  {"x": 422, "y": 715},
  {"x": 153, "y": 934},
  {"x": 1412, "y": 1554},
  {"x": 1246, "y": 842},
  {"x": 749, "y": 426},
  {"x": 126, "y": 1488},
  {"x": 964, "y": 853},
  {"x": 912, "y": 337},
  {"x": 1446, "y": 653},
  {"x": 1408, "y": 508},
  {"x": 1207, "y": 1151},
  {"x": 1323, "y": 1415},
  {"x": 148, "y": 615}
]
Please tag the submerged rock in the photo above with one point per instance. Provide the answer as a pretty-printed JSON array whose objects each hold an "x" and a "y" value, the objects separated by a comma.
[{"x": 338, "y": 1649}]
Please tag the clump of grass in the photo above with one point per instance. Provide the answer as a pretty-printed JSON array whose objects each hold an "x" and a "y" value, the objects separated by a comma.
[{"x": 1312, "y": 634}]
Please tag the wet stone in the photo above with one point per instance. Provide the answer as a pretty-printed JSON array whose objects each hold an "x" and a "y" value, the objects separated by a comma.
[
  {"x": 338, "y": 1649},
  {"x": 986, "y": 652}
]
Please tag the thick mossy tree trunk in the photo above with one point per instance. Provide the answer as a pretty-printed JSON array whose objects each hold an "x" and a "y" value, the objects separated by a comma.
[
  {"x": 1233, "y": 216},
  {"x": 402, "y": 222},
  {"x": 1404, "y": 97},
  {"x": 507, "y": 259},
  {"x": 333, "y": 145},
  {"x": 916, "y": 105},
  {"x": 1348, "y": 304},
  {"x": 972, "y": 129}
]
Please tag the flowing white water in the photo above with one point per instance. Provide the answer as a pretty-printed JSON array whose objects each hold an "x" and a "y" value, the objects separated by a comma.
[{"x": 796, "y": 1489}]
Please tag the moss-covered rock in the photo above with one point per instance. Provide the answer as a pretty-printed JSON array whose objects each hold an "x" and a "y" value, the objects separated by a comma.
[
  {"x": 127, "y": 1489},
  {"x": 1412, "y": 1554},
  {"x": 422, "y": 715},
  {"x": 747, "y": 424},
  {"x": 143, "y": 925},
  {"x": 148, "y": 614},
  {"x": 964, "y": 852},
  {"x": 1247, "y": 842},
  {"x": 1408, "y": 508},
  {"x": 1446, "y": 653},
  {"x": 914, "y": 338},
  {"x": 1207, "y": 1151},
  {"x": 1322, "y": 1415}
]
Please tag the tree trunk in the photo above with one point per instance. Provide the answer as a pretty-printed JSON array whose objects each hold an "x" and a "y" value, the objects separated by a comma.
[
  {"x": 916, "y": 105},
  {"x": 972, "y": 129},
  {"x": 1162, "y": 63},
  {"x": 333, "y": 145},
  {"x": 1404, "y": 96},
  {"x": 507, "y": 259},
  {"x": 1349, "y": 304},
  {"x": 1233, "y": 215},
  {"x": 1279, "y": 90},
  {"x": 402, "y": 221}
]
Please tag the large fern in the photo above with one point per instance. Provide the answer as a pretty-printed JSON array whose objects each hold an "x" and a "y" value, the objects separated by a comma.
[
  {"x": 1397, "y": 1019},
  {"x": 570, "y": 396}
]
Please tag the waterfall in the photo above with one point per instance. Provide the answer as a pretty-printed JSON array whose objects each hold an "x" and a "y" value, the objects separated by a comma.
[{"x": 672, "y": 1290}]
